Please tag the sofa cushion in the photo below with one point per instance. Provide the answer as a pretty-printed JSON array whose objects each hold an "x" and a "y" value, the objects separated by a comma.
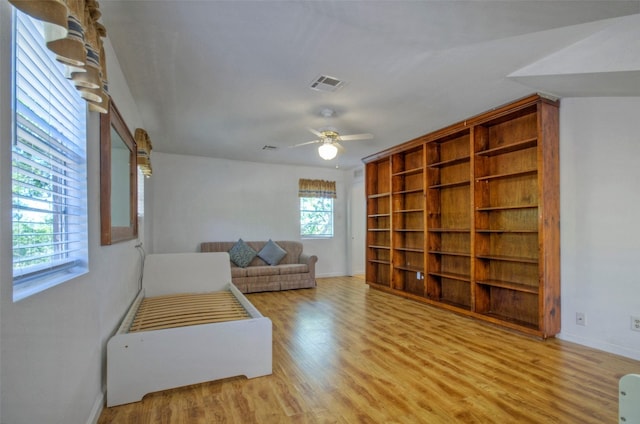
[
  {"x": 293, "y": 248},
  {"x": 271, "y": 253},
  {"x": 262, "y": 284},
  {"x": 241, "y": 253},
  {"x": 293, "y": 268},
  {"x": 259, "y": 271},
  {"x": 238, "y": 272}
]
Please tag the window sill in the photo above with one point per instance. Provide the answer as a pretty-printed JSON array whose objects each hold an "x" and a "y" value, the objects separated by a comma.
[{"x": 29, "y": 288}]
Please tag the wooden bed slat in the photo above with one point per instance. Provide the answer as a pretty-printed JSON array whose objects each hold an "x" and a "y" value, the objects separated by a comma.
[
  {"x": 191, "y": 307},
  {"x": 189, "y": 298},
  {"x": 158, "y": 314},
  {"x": 171, "y": 311}
]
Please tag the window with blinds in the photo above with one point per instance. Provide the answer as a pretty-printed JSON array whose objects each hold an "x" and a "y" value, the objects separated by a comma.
[{"x": 49, "y": 188}]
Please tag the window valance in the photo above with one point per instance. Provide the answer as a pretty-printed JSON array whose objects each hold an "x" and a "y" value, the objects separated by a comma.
[
  {"x": 73, "y": 33},
  {"x": 316, "y": 188},
  {"x": 143, "y": 143}
]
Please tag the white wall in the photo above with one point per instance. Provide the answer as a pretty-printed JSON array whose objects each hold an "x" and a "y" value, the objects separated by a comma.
[
  {"x": 5, "y": 164},
  {"x": 197, "y": 199},
  {"x": 357, "y": 213},
  {"x": 53, "y": 343},
  {"x": 600, "y": 221}
]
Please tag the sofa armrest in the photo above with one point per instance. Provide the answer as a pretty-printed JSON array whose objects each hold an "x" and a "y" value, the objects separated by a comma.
[{"x": 309, "y": 260}]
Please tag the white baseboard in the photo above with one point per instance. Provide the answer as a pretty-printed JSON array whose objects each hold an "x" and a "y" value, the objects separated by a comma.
[
  {"x": 98, "y": 406},
  {"x": 331, "y": 274},
  {"x": 598, "y": 344}
]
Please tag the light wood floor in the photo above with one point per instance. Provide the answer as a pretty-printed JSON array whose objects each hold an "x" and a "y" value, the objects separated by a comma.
[{"x": 344, "y": 353}]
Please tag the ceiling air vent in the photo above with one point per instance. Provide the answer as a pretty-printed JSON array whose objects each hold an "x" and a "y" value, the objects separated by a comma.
[
  {"x": 267, "y": 147},
  {"x": 326, "y": 83}
]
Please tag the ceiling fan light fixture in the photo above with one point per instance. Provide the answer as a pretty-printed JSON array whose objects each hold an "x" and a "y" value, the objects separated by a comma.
[{"x": 327, "y": 151}]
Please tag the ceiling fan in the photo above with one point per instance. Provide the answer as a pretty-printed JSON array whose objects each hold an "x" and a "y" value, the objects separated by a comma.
[{"x": 330, "y": 141}]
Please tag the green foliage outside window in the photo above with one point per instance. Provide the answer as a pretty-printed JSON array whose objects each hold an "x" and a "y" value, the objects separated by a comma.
[
  {"x": 33, "y": 226},
  {"x": 316, "y": 217}
]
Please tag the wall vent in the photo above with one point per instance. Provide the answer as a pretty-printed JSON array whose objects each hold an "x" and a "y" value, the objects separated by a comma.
[{"x": 327, "y": 83}]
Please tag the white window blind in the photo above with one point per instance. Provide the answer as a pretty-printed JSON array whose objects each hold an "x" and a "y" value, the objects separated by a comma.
[{"x": 48, "y": 167}]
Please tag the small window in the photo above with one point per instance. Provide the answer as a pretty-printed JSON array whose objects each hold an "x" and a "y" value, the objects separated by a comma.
[
  {"x": 316, "y": 217},
  {"x": 49, "y": 182}
]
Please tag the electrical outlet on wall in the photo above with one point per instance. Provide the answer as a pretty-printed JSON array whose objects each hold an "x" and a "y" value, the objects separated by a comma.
[
  {"x": 581, "y": 318},
  {"x": 635, "y": 322}
]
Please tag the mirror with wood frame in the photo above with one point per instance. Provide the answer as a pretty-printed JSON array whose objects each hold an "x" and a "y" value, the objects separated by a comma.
[{"x": 118, "y": 179}]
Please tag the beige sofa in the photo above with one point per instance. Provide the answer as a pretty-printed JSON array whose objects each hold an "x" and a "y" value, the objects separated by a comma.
[{"x": 296, "y": 270}]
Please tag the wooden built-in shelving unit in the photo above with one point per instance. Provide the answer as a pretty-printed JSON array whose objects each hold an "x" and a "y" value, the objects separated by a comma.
[{"x": 467, "y": 218}]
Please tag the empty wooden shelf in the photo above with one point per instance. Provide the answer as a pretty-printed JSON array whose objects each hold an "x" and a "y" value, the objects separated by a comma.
[{"x": 467, "y": 217}]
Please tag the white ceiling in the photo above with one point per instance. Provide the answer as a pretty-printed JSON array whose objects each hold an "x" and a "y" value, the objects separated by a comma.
[{"x": 225, "y": 78}]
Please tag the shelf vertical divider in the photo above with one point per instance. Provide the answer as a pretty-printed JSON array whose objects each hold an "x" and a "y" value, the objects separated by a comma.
[
  {"x": 549, "y": 221},
  {"x": 425, "y": 221},
  {"x": 480, "y": 198}
]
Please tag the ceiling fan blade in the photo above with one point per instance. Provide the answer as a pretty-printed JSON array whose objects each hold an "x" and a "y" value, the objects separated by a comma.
[
  {"x": 349, "y": 137},
  {"x": 305, "y": 143},
  {"x": 316, "y": 133},
  {"x": 339, "y": 146}
]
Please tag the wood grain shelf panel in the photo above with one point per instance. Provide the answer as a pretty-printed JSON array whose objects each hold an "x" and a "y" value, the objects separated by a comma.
[
  {"x": 510, "y": 285},
  {"x": 450, "y": 185},
  {"x": 445, "y": 253},
  {"x": 411, "y": 268},
  {"x": 408, "y": 210},
  {"x": 506, "y": 230},
  {"x": 449, "y": 230},
  {"x": 378, "y": 195},
  {"x": 408, "y": 172},
  {"x": 512, "y": 147},
  {"x": 379, "y": 261},
  {"x": 507, "y": 259},
  {"x": 412, "y": 190},
  {"x": 450, "y": 276},
  {"x": 409, "y": 249},
  {"x": 507, "y": 175},
  {"x": 505, "y": 208},
  {"x": 450, "y": 162}
]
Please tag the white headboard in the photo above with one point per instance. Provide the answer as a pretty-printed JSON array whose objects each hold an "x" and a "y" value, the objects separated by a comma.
[{"x": 168, "y": 273}]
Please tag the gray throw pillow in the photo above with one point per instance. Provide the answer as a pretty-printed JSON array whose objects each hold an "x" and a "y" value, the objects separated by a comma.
[
  {"x": 271, "y": 253},
  {"x": 242, "y": 254}
]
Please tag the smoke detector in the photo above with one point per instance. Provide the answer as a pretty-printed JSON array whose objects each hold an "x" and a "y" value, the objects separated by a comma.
[{"x": 327, "y": 112}]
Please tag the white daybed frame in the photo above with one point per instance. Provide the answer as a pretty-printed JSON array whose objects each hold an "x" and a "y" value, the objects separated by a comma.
[{"x": 148, "y": 361}]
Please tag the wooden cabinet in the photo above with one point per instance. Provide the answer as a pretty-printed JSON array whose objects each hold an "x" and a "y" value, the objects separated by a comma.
[{"x": 467, "y": 218}]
